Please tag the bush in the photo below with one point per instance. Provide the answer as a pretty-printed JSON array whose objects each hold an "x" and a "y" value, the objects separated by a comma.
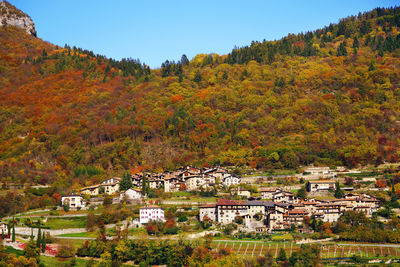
[
  {"x": 228, "y": 229},
  {"x": 66, "y": 207},
  {"x": 172, "y": 231},
  {"x": 182, "y": 218},
  {"x": 66, "y": 251},
  {"x": 238, "y": 220},
  {"x": 107, "y": 200}
]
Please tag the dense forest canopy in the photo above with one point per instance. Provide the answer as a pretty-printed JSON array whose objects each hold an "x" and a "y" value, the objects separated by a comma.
[{"x": 328, "y": 97}]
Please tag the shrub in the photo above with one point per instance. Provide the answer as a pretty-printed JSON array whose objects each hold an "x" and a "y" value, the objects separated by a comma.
[{"x": 66, "y": 251}]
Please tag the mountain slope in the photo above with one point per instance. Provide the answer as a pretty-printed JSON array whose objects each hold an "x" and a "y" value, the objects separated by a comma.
[{"x": 326, "y": 97}]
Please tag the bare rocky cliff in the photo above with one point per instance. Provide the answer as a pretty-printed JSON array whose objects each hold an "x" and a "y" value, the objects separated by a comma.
[{"x": 10, "y": 15}]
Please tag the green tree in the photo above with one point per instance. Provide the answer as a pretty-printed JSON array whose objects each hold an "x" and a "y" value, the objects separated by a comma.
[
  {"x": 43, "y": 243},
  {"x": 341, "y": 50},
  {"x": 144, "y": 186},
  {"x": 13, "y": 231},
  {"x": 282, "y": 255},
  {"x": 309, "y": 255},
  {"x": 39, "y": 236},
  {"x": 31, "y": 251},
  {"x": 66, "y": 206},
  {"x": 338, "y": 192},
  {"x": 126, "y": 182},
  {"x": 302, "y": 193},
  {"x": 197, "y": 77}
]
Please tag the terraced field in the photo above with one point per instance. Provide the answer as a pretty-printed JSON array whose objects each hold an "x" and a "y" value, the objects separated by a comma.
[{"x": 257, "y": 248}]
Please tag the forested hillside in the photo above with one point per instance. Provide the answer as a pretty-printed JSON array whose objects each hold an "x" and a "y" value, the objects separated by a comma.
[{"x": 328, "y": 97}]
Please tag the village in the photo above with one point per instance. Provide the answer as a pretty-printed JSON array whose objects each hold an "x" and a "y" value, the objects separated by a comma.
[
  {"x": 219, "y": 204},
  {"x": 271, "y": 208}
]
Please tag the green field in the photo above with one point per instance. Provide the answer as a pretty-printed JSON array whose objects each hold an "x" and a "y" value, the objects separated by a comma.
[
  {"x": 53, "y": 261},
  {"x": 83, "y": 234},
  {"x": 62, "y": 223}
]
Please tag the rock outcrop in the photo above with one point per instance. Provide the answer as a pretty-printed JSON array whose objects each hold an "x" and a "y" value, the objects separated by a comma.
[{"x": 10, "y": 15}]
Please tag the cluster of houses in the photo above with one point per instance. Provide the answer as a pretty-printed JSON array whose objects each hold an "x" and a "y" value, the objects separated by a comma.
[
  {"x": 284, "y": 209},
  {"x": 186, "y": 178},
  {"x": 275, "y": 208}
]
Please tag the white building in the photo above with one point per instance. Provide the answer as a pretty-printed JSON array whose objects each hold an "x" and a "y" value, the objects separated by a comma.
[
  {"x": 131, "y": 194},
  {"x": 317, "y": 170},
  {"x": 229, "y": 180},
  {"x": 3, "y": 228},
  {"x": 322, "y": 185},
  {"x": 241, "y": 192},
  {"x": 151, "y": 213},
  {"x": 111, "y": 186},
  {"x": 268, "y": 193},
  {"x": 74, "y": 201},
  {"x": 208, "y": 211},
  {"x": 91, "y": 190},
  {"x": 195, "y": 182}
]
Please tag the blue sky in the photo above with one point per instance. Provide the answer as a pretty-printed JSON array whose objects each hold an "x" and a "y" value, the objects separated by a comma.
[{"x": 154, "y": 31}]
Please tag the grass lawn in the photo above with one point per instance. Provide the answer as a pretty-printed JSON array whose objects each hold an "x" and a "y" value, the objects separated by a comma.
[
  {"x": 181, "y": 194},
  {"x": 195, "y": 199},
  {"x": 11, "y": 250},
  {"x": 53, "y": 261},
  {"x": 83, "y": 234},
  {"x": 77, "y": 243},
  {"x": 62, "y": 223},
  {"x": 285, "y": 236}
]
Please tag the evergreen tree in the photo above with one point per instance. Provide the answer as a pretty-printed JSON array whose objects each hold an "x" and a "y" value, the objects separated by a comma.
[
  {"x": 31, "y": 237},
  {"x": 144, "y": 186},
  {"x": 197, "y": 77},
  {"x": 184, "y": 60},
  {"x": 39, "y": 236},
  {"x": 356, "y": 44},
  {"x": 43, "y": 243},
  {"x": 2, "y": 233},
  {"x": 341, "y": 50},
  {"x": 338, "y": 192},
  {"x": 126, "y": 182},
  {"x": 281, "y": 255},
  {"x": 302, "y": 193},
  {"x": 13, "y": 231}
]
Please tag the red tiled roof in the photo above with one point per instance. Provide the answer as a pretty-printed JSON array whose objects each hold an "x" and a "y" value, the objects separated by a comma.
[{"x": 298, "y": 212}]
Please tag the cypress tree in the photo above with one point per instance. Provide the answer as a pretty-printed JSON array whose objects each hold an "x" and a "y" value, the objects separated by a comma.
[
  {"x": 13, "y": 231},
  {"x": 31, "y": 233},
  {"x": 144, "y": 182},
  {"x": 2, "y": 233},
  {"x": 39, "y": 236},
  {"x": 43, "y": 243}
]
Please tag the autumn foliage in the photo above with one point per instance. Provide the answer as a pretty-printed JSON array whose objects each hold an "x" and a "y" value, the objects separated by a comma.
[{"x": 281, "y": 104}]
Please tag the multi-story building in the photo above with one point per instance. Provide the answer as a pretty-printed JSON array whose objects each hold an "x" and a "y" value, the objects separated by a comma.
[
  {"x": 242, "y": 192},
  {"x": 228, "y": 180},
  {"x": 268, "y": 193},
  {"x": 322, "y": 185},
  {"x": 208, "y": 211},
  {"x": 93, "y": 190},
  {"x": 151, "y": 213},
  {"x": 73, "y": 201},
  {"x": 131, "y": 194}
]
